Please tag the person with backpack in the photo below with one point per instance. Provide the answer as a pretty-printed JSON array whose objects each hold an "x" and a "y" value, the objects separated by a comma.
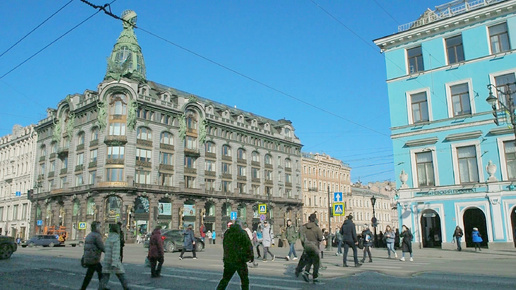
[
  {"x": 406, "y": 242},
  {"x": 368, "y": 243},
  {"x": 238, "y": 250},
  {"x": 349, "y": 238}
]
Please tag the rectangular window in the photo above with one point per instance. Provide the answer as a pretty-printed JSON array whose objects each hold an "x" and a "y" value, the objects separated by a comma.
[
  {"x": 51, "y": 184},
  {"x": 143, "y": 155},
  {"x": 468, "y": 168},
  {"x": 505, "y": 83},
  {"x": 93, "y": 176},
  {"x": 209, "y": 165},
  {"x": 255, "y": 172},
  {"x": 2, "y": 213},
  {"x": 190, "y": 143},
  {"x": 226, "y": 186},
  {"x": 288, "y": 177},
  {"x": 165, "y": 158},
  {"x": 510, "y": 159},
  {"x": 268, "y": 175},
  {"x": 116, "y": 152},
  {"x": 189, "y": 162},
  {"x": 52, "y": 166},
  {"x": 419, "y": 105},
  {"x": 189, "y": 182},
  {"x": 210, "y": 147},
  {"x": 226, "y": 168},
  {"x": 454, "y": 49},
  {"x": 415, "y": 59},
  {"x": 241, "y": 170},
  {"x": 24, "y": 211},
  {"x": 93, "y": 155},
  {"x": 499, "y": 38},
  {"x": 210, "y": 184},
  {"x": 62, "y": 182},
  {"x": 80, "y": 159},
  {"x": 117, "y": 129},
  {"x": 143, "y": 177},
  {"x": 79, "y": 180},
  {"x": 288, "y": 192},
  {"x": 255, "y": 189},
  {"x": 165, "y": 179},
  {"x": 425, "y": 169},
  {"x": 15, "y": 212},
  {"x": 460, "y": 100},
  {"x": 114, "y": 174},
  {"x": 241, "y": 187}
]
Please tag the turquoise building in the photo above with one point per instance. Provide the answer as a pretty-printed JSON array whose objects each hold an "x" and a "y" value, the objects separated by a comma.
[{"x": 454, "y": 153}]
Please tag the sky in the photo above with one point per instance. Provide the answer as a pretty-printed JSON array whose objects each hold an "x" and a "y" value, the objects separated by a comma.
[{"x": 312, "y": 62}]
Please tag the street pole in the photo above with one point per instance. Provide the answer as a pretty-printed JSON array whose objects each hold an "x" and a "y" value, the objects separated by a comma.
[
  {"x": 373, "y": 220},
  {"x": 329, "y": 219}
]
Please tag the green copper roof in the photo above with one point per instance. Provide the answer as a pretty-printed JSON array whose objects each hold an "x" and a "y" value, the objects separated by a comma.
[{"x": 126, "y": 59}]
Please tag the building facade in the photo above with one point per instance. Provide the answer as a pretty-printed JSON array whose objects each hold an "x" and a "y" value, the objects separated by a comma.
[
  {"x": 323, "y": 176},
  {"x": 456, "y": 166},
  {"x": 146, "y": 154},
  {"x": 17, "y": 159}
]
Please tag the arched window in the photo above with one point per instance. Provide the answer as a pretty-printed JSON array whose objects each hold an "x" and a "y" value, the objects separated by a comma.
[
  {"x": 255, "y": 156},
  {"x": 241, "y": 154},
  {"x": 268, "y": 159},
  {"x": 210, "y": 147},
  {"x": 118, "y": 105},
  {"x": 191, "y": 120},
  {"x": 80, "y": 138},
  {"x": 94, "y": 133},
  {"x": 167, "y": 138},
  {"x": 226, "y": 150},
  {"x": 288, "y": 163},
  {"x": 43, "y": 150},
  {"x": 144, "y": 133},
  {"x": 90, "y": 209}
]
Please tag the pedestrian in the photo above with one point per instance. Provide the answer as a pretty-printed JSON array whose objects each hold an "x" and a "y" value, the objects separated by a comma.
[
  {"x": 156, "y": 253},
  {"x": 311, "y": 236},
  {"x": 122, "y": 242},
  {"x": 406, "y": 242},
  {"x": 238, "y": 250},
  {"x": 267, "y": 241},
  {"x": 457, "y": 235},
  {"x": 250, "y": 236},
  {"x": 390, "y": 237},
  {"x": 112, "y": 263},
  {"x": 188, "y": 242},
  {"x": 208, "y": 234},
  {"x": 396, "y": 238},
  {"x": 338, "y": 240},
  {"x": 476, "y": 237},
  {"x": 292, "y": 235},
  {"x": 213, "y": 236},
  {"x": 259, "y": 239},
  {"x": 93, "y": 248},
  {"x": 368, "y": 243},
  {"x": 381, "y": 240},
  {"x": 349, "y": 238},
  {"x": 202, "y": 231}
]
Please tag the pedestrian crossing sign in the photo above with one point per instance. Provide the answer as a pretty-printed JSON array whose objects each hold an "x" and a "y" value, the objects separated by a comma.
[
  {"x": 82, "y": 225},
  {"x": 338, "y": 209},
  {"x": 262, "y": 208}
]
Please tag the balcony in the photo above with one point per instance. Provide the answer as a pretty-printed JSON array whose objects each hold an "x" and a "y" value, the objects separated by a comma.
[
  {"x": 145, "y": 143},
  {"x": 52, "y": 155},
  {"x": 288, "y": 169},
  {"x": 192, "y": 152},
  {"x": 94, "y": 143},
  {"x": 63, "y": 171},
  {"x": 80, "y": 147},
  {"x": 112, "y": 140},
  {"x": 50, "y": 174},
  {"x": 242, "y": 178},
  {"x": 79, "y": 167},
  {"x": 62, "y": 152},
  {"x": 269, "y": 182},
  {"x": 112, "y": 184},
  {"x": 288, "y": 184},
  {"x": 145, "y": 164},
  {"x": 166, "y": 147},
  {"x": 115, "y": 161},
  {"x": 227, "y": 176},
  {"x": 241, "y": 161},
  {"x": 210, "y": 173},
  {"x": 211, "y": 155},
  {"x": 190, "y": 170},
  {"x": 255, "y": 163},
  {"x": 255, "y": 180},
  {"x": 227, "y": 158},
  {"x": 312, "y": 189},
  {"x": 92, "y": 164},
  {"x": 166, "y": 167},
  {"x": 42, "y": 158},
  {"x": 269, "y": 166}
]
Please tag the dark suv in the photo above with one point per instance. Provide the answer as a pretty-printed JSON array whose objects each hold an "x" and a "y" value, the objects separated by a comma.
[
  {"x": 7, "y": 247},
  {"x": 173, "y": 241}
]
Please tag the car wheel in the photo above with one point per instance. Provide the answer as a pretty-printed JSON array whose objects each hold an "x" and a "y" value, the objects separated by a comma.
[
  {"x": 170, "y": 247},
  {"x": 31, "y": 244},
  {"x": 5, "y": 251},
  {"x": 51, "y": 245},
  {"x": 199, "y": 246}
]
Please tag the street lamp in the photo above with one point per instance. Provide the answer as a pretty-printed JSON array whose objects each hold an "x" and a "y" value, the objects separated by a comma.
[
  {"x": 373, "y": 220},
  {"x": 506, "y": 103}
]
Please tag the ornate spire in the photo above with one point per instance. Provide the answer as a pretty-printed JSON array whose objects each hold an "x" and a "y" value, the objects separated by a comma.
[{"x": 126, "y": 59}]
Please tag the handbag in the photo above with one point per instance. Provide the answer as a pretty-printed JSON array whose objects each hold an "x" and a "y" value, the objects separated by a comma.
[
  {"x": 361, "y": 243},
  {"x": 82, "y": 263}
]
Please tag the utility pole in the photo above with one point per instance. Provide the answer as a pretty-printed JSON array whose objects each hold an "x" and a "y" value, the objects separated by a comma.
[{"x": 329, "y": 219}]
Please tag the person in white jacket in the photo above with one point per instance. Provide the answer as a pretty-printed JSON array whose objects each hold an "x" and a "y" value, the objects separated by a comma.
[{"x": 267, "y": 237}]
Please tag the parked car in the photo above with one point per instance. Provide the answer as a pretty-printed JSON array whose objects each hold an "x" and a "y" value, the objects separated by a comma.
[
  {"x": 42, "y": 240},
  {"x": 7, "y": 247},
  {"x": 173, "y": 241}
]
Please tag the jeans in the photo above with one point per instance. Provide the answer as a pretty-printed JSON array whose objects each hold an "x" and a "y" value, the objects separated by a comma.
[
  {"x": 457, "y": 240},
  {"x": 367, "y": 250},
  {"x": 184, "y": 250},
  {"x": 265, "y": 251},
  {"x": 348, "y": 244},
  {"x": 292, "y": 250},
  {"x": 309, "y": 258},
  {"x": 89, "y": 274},
  {"x": 339, "y": 247},
  {"x": 390, "y": 248},
  {"x": 105, "y": 280},
  {"x": 229, "y": 271}
]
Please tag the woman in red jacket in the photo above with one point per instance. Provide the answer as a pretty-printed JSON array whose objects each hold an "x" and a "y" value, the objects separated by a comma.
[{"x": 156, "y": 253}]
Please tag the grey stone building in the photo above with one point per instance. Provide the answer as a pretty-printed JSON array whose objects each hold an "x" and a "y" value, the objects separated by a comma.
[{"x": 146, "y": 154}]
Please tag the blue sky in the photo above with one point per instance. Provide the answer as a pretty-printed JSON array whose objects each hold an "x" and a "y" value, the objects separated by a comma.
[{"x": 309, "y": 61}]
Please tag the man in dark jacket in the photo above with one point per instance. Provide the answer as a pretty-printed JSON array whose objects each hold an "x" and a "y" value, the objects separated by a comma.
[
  {"x": 292, "y": 235},
  {"x": 349, "y": 238},
  {"x": 367, "y": 235},
  {"x": 188, "y": 242},
  {"x": 156, "y": 252},
  {"x": 93, "y": 248},
  {"x": 311, "y": 236},
  {"x": 238, "y": 250}
]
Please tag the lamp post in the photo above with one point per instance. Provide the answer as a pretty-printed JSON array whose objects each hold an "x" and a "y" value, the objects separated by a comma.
[
  {"x": 373, "y": 220},
  {"x": 505, "y": 101}
]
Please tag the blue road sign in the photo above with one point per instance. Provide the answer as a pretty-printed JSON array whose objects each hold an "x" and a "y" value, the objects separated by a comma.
[
  {"x": 39, "y": 222},
  {"x": 262, "y": 217},
  {"x": 233, "y": 215},
  {"x": 82, "y": 225},
  {"x": 337, "y": 196},
  {"x": 338, "y": 209},
  {"x": 18, "y": 193},
  {"x": 262, "y": 208}
]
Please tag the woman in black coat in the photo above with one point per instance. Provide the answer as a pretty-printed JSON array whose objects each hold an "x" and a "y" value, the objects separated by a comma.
[{"x": 406, "y": 242}]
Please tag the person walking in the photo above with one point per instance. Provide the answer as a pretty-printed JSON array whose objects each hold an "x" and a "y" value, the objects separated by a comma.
[
  {"x": 238, "y": 250},
  {"x": 396, "y": 238},
  {"x": 202, "y": 231},
  {"x": 368, "y": 243},
  {"x": 338, "y": 239},
  {"x": 267, "y": 241},
  {"x": 122, "y": 242},
  {"x": 349, "y": 238},
  {"x": 250, "y": 236},
  {"x": 112, "y": 263},
  {"x": 292, "y": 235},
  {"x": 457, "y": 235},
  {"x": 93, "y": 248},
  {"x": 213, "y": 236},
  {"x": 476, "y": 237},
  {"x": 188, "y": 242},
  {"x": 311, "y": 237},
  {"x": 259, "y": 239},
  {"x": 156, "y": 252},
  {"x": 390, "y": 237},
  {"x": 406, "y": 242},
  {"x": 208, "y": 234}
]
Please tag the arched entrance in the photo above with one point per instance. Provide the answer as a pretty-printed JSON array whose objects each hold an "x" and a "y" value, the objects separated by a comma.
[
  {"x": 226, "y": 212},
  {"x": 141, "y": 214},
  {"x": 209, "y": 216},
  {"x": 431, "y": 229},
  {"x": 513, "y": 223},
  {"x": 475, "y": 218},
  {"x": 189, "y": 214}
]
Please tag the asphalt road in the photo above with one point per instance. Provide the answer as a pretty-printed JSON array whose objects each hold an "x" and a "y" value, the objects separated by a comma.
[{"x": 59, "y": 268}]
